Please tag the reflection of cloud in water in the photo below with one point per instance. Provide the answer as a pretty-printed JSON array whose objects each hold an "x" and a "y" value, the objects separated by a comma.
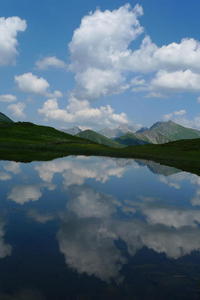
[
  {"x": 13, "y": 167},
  {"x": 176, "y": 180},
  {"x": 196, "y": 199},
  {"x": 91, "y": 227},
  {"x": 170, "y": 182},
  {"x": 173, "y": 242},
  {"x": 10, "y": 167},
  {"x": 39, "y": 217},
  {"x": 171, "y": 216},
  {"x": 24, "y": 193},
  {"x": 88, "y": 247},
  {"x": 77, "y": 170},
  {"x": 86, "y": 203},
  {"x": 5, "y": 176}
]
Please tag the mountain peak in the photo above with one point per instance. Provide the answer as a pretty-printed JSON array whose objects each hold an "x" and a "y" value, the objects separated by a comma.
[{"x": 161, "y": 123}]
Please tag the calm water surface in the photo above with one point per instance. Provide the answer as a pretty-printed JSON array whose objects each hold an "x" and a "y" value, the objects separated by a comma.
[{"x": 98, "y": 228}]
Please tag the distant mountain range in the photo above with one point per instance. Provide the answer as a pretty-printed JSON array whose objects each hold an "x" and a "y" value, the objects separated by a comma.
[
  {"x": 163, "y": 132},
  {"x": 131, "y": 139},
  {"x": 158, "y": 133},
  {"x": 118, "y": 131},
  {"x": 98, "y": 138},
  {"x": 73, "y": 131}
]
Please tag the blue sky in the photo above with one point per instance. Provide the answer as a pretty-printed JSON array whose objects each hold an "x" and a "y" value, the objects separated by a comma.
[{"x": 100, "y": 63}]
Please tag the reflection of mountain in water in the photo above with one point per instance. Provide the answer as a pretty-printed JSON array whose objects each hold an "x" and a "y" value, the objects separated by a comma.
[{"x": 156, "y": 168}]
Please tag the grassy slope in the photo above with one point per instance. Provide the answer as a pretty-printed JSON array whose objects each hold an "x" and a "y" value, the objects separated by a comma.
[
  {"x": 130, "y": 139},
  {"x": 28, "y": 142},
  {"x": 98, "y": 138}
]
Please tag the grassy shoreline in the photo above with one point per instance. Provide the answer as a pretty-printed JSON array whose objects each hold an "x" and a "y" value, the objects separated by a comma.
[
  {"x": 167, "y": 154},
  {"x": 27, "y": 142}
]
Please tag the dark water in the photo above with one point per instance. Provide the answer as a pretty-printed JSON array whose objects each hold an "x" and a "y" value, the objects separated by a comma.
[{"x": 98, "y": 228}]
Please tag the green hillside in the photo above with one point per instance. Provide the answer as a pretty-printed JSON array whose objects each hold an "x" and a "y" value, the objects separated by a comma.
[
  {"x": 4, "y": 118},
  {"x": 163, "y": 132},
  {"x": 130, "y": 139},
  {"x": 29, "y": 134},
  {"x": 98, "y": 138}
]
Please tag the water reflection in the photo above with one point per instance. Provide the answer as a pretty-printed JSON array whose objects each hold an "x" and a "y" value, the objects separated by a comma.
[
  {"x": 22, "y": 295},
  {"x": 5, "y": 248},
  {"x": 100, "y": 213}
]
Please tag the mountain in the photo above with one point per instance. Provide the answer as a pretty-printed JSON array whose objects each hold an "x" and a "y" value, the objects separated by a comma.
[
  {"x": 73, "y": 131},
  {"x": 98, "y": 138},
  {"x": 130, "y": 139},
  {"x": 142, "y": 129},
  {"x": 163, "y": 132},
  {"x": 118, "y": 131},
  {"x": 4, "y": 118}
]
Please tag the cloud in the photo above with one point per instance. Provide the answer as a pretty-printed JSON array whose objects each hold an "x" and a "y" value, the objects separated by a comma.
[
  {"x": 9, "y": 29},
  {"x": 174, "y": 114},
  {"x": 177, "y": 81},
  {"x": 98, "y": 44},
  {"x": 50, "y": 62},
  {"x": 17, "y": 109},
  {"x": 102, "y": 56},
  {"x": 30, "y": 83},
  {"x": 181, "y": 118},
  {"x": 150, "y": 58},
  {"x": 8, "y": 98},
  {"x": 105, "y": 60},
  {"x": 80, "y": 111}
]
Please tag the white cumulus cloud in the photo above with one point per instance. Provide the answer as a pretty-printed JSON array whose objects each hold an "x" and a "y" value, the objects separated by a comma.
[
  {"x": 97, "y": 47},
  {"x": 80, "y": 111},
  {"x": 173, "y": 114},
  {"x": 50, "y": 62},
  {"x": 30, "y": 83},
  {"x": 178, "y": 80},
  {"x": 9, "y": 29}
]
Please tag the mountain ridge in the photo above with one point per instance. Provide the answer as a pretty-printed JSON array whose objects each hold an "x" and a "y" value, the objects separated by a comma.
[{"x": 98, "y": 138}]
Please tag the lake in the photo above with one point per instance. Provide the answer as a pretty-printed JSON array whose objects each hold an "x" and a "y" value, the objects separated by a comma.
[{"x": 98, "y": 228}]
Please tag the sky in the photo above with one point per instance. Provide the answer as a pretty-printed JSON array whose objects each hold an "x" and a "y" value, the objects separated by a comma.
[{"x": 100, "y": 64}]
